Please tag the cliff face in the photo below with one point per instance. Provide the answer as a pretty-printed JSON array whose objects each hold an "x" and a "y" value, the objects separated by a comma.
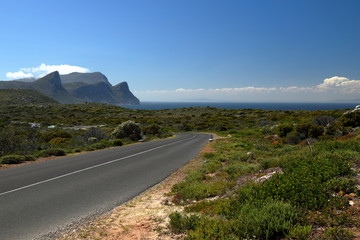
[
  {"x": 123, "y": 93},
  {"x": 51, "y": 86},
  {"x": 77, "y": 88}
]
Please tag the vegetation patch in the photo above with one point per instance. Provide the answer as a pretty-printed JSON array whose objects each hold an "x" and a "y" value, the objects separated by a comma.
[{"x": 270, "y": 175}]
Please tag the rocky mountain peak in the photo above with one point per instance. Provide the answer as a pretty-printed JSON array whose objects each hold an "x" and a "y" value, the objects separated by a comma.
[{"x": 77, "y": 87}]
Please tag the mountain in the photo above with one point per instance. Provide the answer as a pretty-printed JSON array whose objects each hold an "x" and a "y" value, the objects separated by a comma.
[
  {"x": 98, "y": 92},
  {"x": 88, "y": 78},
  {"x": 95, "y": 87},
  {"x": 23, "y": 96},
  {"x": 123, "y": 93},
  {"x": 77, "y": 88},
  {"x": 51, "y": 86}
]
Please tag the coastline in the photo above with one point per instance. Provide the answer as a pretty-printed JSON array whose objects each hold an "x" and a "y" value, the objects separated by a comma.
[{"x": 243, "y": 105}]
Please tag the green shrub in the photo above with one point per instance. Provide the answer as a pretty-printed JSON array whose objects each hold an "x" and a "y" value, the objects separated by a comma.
[
  {"x": 47, "y": 136},
  {"x": 153, "y": 129},
  {"x": 300, "y": 232},
  {"x": 29, "y": 158},
  {"x": 180, "y": 224},
  {"x": 306, "y": 130},
  {"x": 117, "y": 143},
  {"x": 238, "y": 156},
  {"x": 12, "y": 159},
  {"x": 250, "y": 192},
  {"x": 345, "y": 184},
  {"x": 284, "y": 129},
  {"x": 200, "y": 190},
  {"x": 300, "y": 188},
  {"x": 305, "y": 178},
  {"x": 55, "y": 152},
  {"x": 213, "y": 207},
  {"x": 240, "y": 168},
  {"x": 292, "y": 138},
  {"x": 211, "y": 166},
  {"x": 128, "y": 129},
  {"x": 100, "y": 145},
  {"x": 338, "y": 234},
  {"x": 332, "y": 146},
  {"x": 16, "y": 159},
  {"x": 209, "y": 155},
  {"x": 211, "y": 228},
  {"x": 269, "y": 162},
  {"x": 58, "y": 141},
  {"x": 267, "y": 220},
  {"x": 351, "y": 119}
]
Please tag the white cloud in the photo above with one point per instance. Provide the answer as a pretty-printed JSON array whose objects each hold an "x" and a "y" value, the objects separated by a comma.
[
  {"x": 19, "y": 74},
  {"x": 331, "y": 89},
  {"x": 43, "y": 70},
  {"x": 341, "y": 84},
  {"x": 226, "y": 90}
]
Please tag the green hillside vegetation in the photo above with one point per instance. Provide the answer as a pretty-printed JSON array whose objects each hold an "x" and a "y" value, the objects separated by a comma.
[
  {"x": 271, "y": 175},
  {"x": 23, "y": 97}
]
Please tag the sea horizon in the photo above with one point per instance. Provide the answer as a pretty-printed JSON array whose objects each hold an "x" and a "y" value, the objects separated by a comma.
[{"x": 243, "y": 105}]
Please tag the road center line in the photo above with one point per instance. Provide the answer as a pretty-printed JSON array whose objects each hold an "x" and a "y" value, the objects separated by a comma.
[{"x": 92, "y": 167}]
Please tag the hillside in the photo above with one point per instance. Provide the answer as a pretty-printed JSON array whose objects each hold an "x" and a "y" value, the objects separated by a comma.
[
  {"x": 23, "y": 96},
  {"x": 77, "y": 88}
]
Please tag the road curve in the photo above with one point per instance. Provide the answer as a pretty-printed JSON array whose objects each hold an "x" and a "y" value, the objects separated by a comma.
[{"x": 40, "y": 198}]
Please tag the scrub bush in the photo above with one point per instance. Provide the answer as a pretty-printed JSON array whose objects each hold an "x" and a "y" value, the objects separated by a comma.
[
  {"x": 117, "y": 143},
  {"x": 300, "y": 232},
  {"x": 100, "y": 145},
  {"x": 180, "y": 224},
  {"x": 338, "y": 234},
  {"x": 128, "y": 129},
  {"x": 55, "y": 152},
  {"x": 16, "y": 159}
]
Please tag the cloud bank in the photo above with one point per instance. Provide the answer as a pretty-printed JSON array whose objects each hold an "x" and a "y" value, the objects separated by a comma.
[
  {"x": 43, "y": 69},
  {"x": 331, "y": 89}
]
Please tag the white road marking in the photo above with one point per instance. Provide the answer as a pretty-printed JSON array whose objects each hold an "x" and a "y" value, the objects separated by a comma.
[{"x": 92, "y": 167}]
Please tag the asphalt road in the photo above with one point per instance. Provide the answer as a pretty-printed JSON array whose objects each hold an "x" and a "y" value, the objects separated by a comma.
[{"x": 40, "y": 198}]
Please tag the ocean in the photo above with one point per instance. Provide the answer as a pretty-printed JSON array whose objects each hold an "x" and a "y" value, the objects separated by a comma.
[{"x": 229, "y": 105}]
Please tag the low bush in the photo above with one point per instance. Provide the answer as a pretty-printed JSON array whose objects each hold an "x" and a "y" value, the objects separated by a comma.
[
  {"x": 55, "y": 152},
  {"x": 344, "y": 184},
  {"x": 210, "y": 166},
  {"x": 267, "y": 220},
  {"x": 16, "y": 159},
  {"x": 212, "y": 228},
  {"x": 337, "y": 234},
  {"x": 240, "y": 168},
  {"x": 101, "y": 145},
  {"x": 180, "y": 224},
  {"x": 29, "y": 158},
  {"x": 213, "y": 208},
  {"x": 269, "y": 162},
  {"x": 300, "y": 232},
  {"x": 200, "y": 190},
  {"x": 117, "y": 143}
]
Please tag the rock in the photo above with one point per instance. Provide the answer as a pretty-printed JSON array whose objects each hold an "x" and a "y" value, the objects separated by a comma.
[{"x": 251, "y": 155}]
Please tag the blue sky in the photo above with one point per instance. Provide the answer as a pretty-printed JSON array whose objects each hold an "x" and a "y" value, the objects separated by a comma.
[{"x": 192, "y": 50}]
